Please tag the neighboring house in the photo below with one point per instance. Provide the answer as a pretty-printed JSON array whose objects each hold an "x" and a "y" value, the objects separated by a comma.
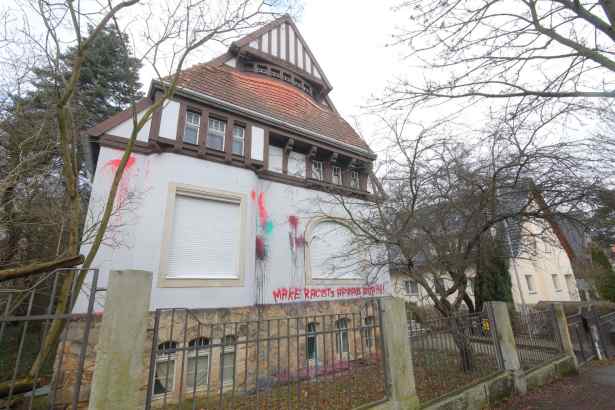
[
  {"x": 225, "y": 196},
  {"x": 540, "y": 264}
]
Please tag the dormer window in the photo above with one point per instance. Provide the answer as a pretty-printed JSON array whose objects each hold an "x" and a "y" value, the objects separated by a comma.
[
  {"x": 317, "y": 170},
  {"x": 249, "y": 67},
  {"x": 354, "y": 179},
  {"x": 297, "y": 82},
  {"x": 287, "y": 77},
  {"x": 275, "y": 73},
  {"x": 307, "y": 89},
  {"x": 261, "y": 69}
]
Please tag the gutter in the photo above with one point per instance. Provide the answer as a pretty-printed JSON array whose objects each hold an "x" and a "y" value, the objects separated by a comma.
[{"x": 267, "y": 118}]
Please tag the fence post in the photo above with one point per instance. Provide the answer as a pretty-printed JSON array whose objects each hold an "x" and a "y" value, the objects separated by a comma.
[
  {"x": 593, "y": 321},
  {"x": 564, "y": 333},
  {"x": 398, "y": 356},
  {"x": 118, "y": 375},
  {"x": 506, "y": 344}
]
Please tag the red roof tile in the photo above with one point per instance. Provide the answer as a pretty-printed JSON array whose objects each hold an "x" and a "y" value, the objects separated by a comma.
[{"x": 270, "y": 97}]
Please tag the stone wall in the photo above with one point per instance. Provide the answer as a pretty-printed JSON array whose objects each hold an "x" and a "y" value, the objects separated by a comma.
[{"x": 279, "y": 354}]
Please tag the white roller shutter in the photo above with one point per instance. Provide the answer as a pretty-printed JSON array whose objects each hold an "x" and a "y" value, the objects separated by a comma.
[{"x": 205, "y": 238}]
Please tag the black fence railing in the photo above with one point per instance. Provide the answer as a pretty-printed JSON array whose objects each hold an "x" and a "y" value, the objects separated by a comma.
[
  {"x": 37, "y": 372},
  {"x": 449, "y": 353},
  {"x": 580, "y": 337},
  {"x": 536, "y": 336},
  {"x": 307, "y": 362}
]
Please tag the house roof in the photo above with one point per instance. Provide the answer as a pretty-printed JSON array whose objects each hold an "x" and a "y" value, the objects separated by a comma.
[{"x": 269, "y": 97}]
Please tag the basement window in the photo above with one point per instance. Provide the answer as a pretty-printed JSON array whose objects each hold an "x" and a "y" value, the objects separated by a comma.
[
  {"x": 164, "y": 374},
  {"x": 197, "y": 365}
]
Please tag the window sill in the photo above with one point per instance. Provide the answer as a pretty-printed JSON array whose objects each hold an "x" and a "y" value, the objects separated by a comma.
[{"x": 196, "y": 282}]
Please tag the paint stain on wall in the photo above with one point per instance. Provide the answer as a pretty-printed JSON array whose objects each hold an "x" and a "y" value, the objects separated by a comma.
[
  {"x": 123, "y": 189},
  {"x": 264, "y": 229},
  {"x": 296, "y": 242}
]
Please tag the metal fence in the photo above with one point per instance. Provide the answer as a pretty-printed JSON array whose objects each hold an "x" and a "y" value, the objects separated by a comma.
[
  {"x": 26, "y": 318},
  {"x": 449, "y": 353},
  {"x": 307, "y": 362},
  {"x": 580, "y": 336},
  {"x": 606, "y": 324},
  {"x": 536, "y": 336}
]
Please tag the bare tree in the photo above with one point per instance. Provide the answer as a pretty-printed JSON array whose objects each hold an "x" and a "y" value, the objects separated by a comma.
[
  {"x": 172, "y": 34},
  {"x": 551, "y": 58}
]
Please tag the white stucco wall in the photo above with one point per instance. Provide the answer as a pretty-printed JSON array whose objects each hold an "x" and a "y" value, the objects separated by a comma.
[
  {"x": 549, "y": 259},
  {"x": 137, "y": 231}
]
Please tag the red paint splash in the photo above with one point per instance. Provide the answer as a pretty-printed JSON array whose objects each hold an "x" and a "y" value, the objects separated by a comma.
[
  {"x": 114, "y": 164},
  {"x": 253, "y": 194},
  {"x": 293, "y": 221},
  {"x": 260, "y": 248}
]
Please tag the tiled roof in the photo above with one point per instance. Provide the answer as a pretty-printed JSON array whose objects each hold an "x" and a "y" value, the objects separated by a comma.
[{"x": 269, "y": 97}]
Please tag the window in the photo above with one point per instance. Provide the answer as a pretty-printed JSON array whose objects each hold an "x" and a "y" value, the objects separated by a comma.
[
  {"x": 249, "y": 67},
  {"x": 529, "y": 280},
  {"x": 341, "y": 337},
  {"x": 191, "y": 130},
  {"x": 332, "y": 255},
  {"x": 228, "y": 359},
  {"x": 412, "y": 287},
  {"x": 337, "y": 175},
  {"x": 570, "y": 285},
  {"x": 556, "y": 283},
  {"x": 197, "y": 371},
  {"x": 354, "y": 179},
  {"x": 287, "y": 77},
  {"x": 317, "y": 170},
  {"x": 275, "y": 73},
  {"x": 215, "y": 134},
  {"x": 164, "y": 374},
  {"x": 307, "y": 89},
  {"x": 261, "y": 69},
  {"x": 190, "y": 251},
  {"x": 311, "y": 341},
  {"x": 238, "y": 140},
  {"x": 368, "y": 333},
  {"x": 298, "y": 82}
]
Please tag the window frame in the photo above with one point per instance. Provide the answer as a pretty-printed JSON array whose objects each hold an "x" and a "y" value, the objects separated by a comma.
[
  {"x": 531, "y": 286},
  {"x": 340, "y": 180},
  {"x": 557, "y": 285},
  {"x": 311, "y": 338},
  {"x": 196, "y": 354},
  {"x": 321, "y": 172},
  {"x": 407, "y": 287},
  {"x": 234, "y": 138},
  {"x": 228, "y": 348},
  {"x": 164, "y": 356},
  {"x": 215, "y": 131},
  {"x": 368, "y": 333},
  {"x": 176, "y": 189},
  {"x": 355, "y": 179},
  {"x": 342, "y": 342},
  {"x": 188, "y": 124}
]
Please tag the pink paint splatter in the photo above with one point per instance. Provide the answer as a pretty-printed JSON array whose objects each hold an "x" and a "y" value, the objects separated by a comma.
[
  {"x": 262, "y": 211},
  {"x": 253, "y": 194},
  {"x": 293, "y": 221}
]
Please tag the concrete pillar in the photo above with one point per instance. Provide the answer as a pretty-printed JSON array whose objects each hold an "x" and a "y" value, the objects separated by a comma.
[
  {"x": 506, "y": 342},
  {"x": 118, "y": 375},
  {"x": 398, "y": 356},
  {"x": 564, "y": 333}
]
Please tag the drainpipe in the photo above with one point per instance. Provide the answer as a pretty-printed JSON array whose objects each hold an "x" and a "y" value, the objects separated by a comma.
[{"x": 514, "y": 266}]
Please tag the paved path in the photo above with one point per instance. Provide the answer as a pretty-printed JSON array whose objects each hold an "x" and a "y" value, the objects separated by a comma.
[{"x": 593, "y": 389}]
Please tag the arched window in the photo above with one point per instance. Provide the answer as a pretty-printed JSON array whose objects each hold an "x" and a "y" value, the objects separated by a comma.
[
  {"x": 197, "y": 365},
  {"x": 228, "y": 359},
  {"x": 342, "y": 335},
  {"x": 164, "y": 375},
  {"x": 311, "y": 341}
]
